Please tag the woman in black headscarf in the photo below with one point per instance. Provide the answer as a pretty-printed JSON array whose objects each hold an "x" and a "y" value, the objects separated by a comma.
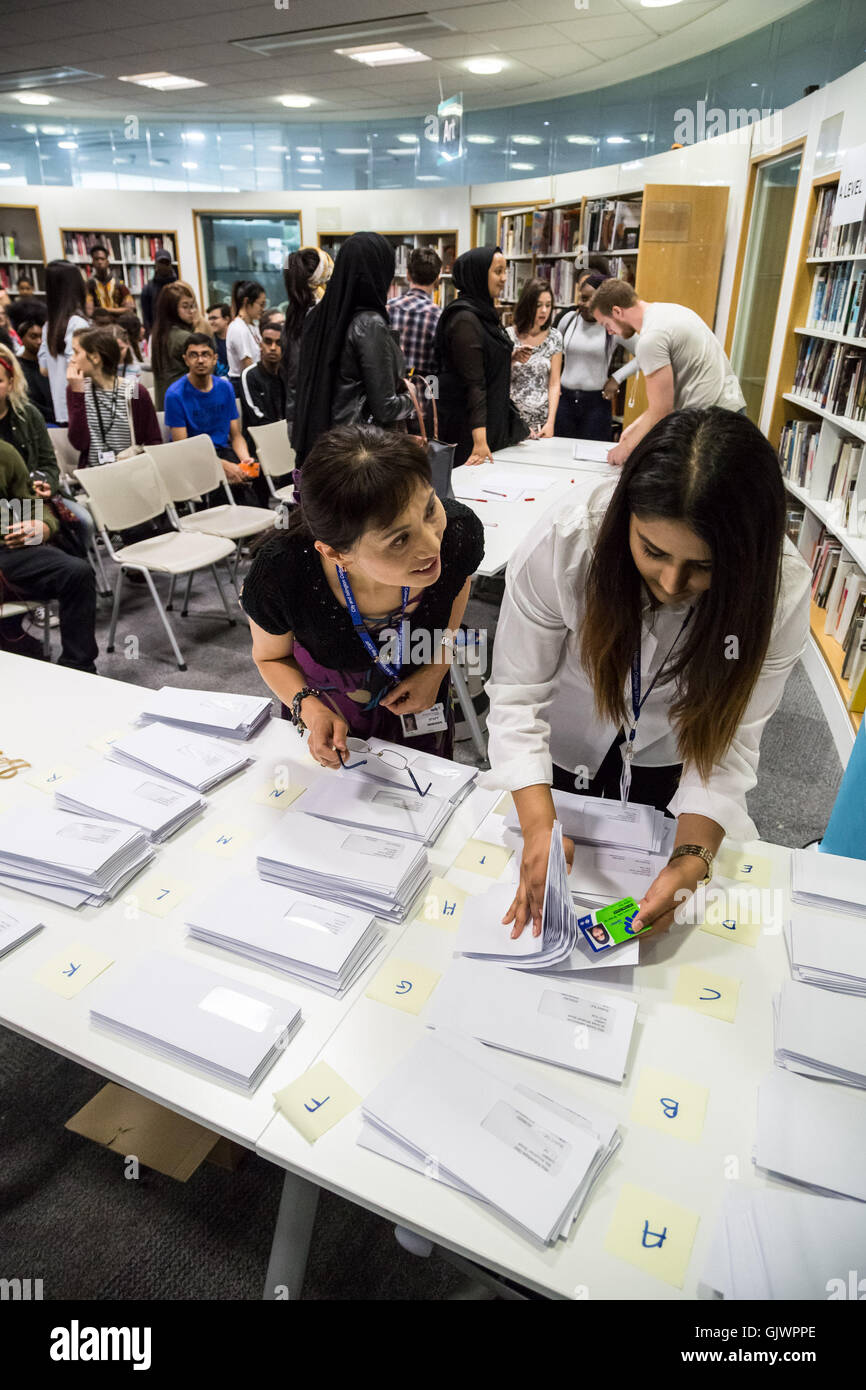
[
  {"x": 473, "y": 356},
  {"x": 351, "y": 369}
]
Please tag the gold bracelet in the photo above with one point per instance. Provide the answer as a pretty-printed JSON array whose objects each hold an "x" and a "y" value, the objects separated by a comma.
[{"x": 700, "y": 852}]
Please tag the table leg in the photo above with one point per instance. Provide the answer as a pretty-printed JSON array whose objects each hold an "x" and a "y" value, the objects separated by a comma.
[{"x": 291, "y": 1243}]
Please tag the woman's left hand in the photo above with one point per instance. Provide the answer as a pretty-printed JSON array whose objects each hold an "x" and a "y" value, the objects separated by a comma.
[
  {"x": 673, "y": 886},
  {"x": 417, "y": 692},
  {"x": 546, "y": 432},
  {"x": 41, "y": 488}
]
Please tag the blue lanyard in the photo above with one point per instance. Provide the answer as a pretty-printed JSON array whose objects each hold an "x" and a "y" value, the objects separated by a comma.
[
  {"x": 637, "y": 703},
  {"x": 361, "y": 629}
]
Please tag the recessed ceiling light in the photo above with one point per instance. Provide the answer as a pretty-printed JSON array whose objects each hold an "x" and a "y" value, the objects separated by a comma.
[
  {"x": 193, "y": 137},
  {"x": 311, "y": 185},
  {"x": 481, "y": 139},
  {"x": 344, "y": 149},
  {"x": 297, "y": 102},
  {"x": 420, "y": 178},
  {"x": 121, "y": 159},
  {"x": 5, "y": 166},
  {"x": 523, "y": 166},
  {"x": 309, "y": 149},
  {"x": 658, "y": 4},
  {"x": 308, "y": 159},
  {"x": 380, "y": 55},
  {"x": 581, "y": 140},
  {"x": 247, "y": 147},
  {"x": 400, "y": 151},
  {"x": 618, "y": 140},
  {"x": 67, "y": 144},
  {"x": 31, "y": 129},
  {"x": 276, "y": 149},
  {"x": 484, "y": 67},
  {"x": 408, "y": 139},
  {"x": 228, "y": 166},
  {"x": 53, "y": 129},
  {"x": 526, "y": 139},
  {"x": 162, "y": 81},
  {"x": 644, "y": 137},
  {"x": 33, "y": 98},
  {"x": 188, "y": 164}
]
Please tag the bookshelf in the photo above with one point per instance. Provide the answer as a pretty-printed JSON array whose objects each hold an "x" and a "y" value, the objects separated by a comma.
[
  {"x": 131, "y": 253},
  {"x": 819, "y": 423},
  {"x": 445, "y": 243},
  {"x": 22, "y": 250}
]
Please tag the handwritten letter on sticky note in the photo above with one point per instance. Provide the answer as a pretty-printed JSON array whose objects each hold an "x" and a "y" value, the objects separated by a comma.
[
  {"x": 652, "y": 1233},
  {"x": 74, "y": 968},
  {"x": 481, "y": 858},
  {"x": 707, "y": 992},
  {"x": 157, "y": 894},
  {"x": 744, "y": 868},
  {"x": 734, "y": 927},
  {"x": 223, "y": 841},
  {"x": 316, "y": 1101},
  {"x": 404, "y": 985},
  {"x": 669, "y": 1103},
  {"x": 443, "y": 904},
  {"x": 277, "y": 793}
]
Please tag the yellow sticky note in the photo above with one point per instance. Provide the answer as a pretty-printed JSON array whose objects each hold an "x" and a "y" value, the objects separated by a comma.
[
  {"x": 481, "y": 858},
  {"x": 404, "y": 985},
  {"x": 744, "y": 868},
  {"x": 277, "y": 793},
  {"x": 504, "y": 805},
  {"x": 669, "y": 1103},
  {"x": 443, "y": 904},
  {"x": 157, "y": 894},
  {"x": 69, "y": 972},
  {"x": 316, "y": 1101},
  {"x": 652, "y": 1233},
  {"x": 707, "y": 992},
  {"x": 102, "y": 742},
  {"x": 734, "y": 928},
  {"x": 46, "y": 778},
  {"x": 223, "y": 841}
]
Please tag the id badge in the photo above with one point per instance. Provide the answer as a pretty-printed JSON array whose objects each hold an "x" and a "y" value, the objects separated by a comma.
[
  {"x": 426, "y": 721},
  {"x": 106, "y": 456},
  {"x": 610, "y": 926}
]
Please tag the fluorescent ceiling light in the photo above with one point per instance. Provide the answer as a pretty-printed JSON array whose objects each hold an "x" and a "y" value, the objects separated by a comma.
[
  {"x": 276, "y": 149},
  {"x": 408, "y": 139},
  {"x": 309, "y": 149},
  {"x": 188, "y": 164},
  {"x": 344, "y": 149},
  {"x": 400, "y": 151},
  {"x": 523, "y": 166},
  {"x": 193, "y": 137},
  {"x": 267, "y": 169},
  {"x": 481, "y": 139},
  {"x": 228, "y": 166},
  {"x": 484, "y": 67},
  {"x": 658, "y": 4},
  {"x": 43, "y": 77},
  {"x": 5, "y": 166},
  {"x": 31, "y": 129},
  {"x": 618, "y": 140},
  {"x": 426, "y": 178},
  {"x": 526, "y": 139},
  {"x": 308, "y": 159},
  {"x": 311, "y": 185},
  {"x": 581, "y": 140},
  {"x": 162, "y": 81},
  {"x": 53, "y": 129},
  {"x": 120, "y": 160},
  {"x": 33, "y": 98},
  {"x": 381, "y": 55},
  {"x": 67, "y": 144},
  {"x": 295, "y": 101}
]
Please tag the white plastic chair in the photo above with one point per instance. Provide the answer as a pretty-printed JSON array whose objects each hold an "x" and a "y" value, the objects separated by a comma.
[
  {"x": 128, "y": 493},
  {"x": 20, "y": 609},
  {"x": 146, "y": 379},
  {"x": 67, "y": 461},
  {"x": 276, "y": 456},
  {"x": 163, "y": 427}
]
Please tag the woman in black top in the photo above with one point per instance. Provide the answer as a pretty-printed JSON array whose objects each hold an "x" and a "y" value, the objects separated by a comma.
[
  {"x": 473, "y": 356},
  {"x": 351, "y": 368},
  {"x": 370, "y": 520}
]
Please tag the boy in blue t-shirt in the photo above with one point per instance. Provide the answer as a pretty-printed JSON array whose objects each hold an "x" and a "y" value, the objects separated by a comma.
[{"x": 200, "y": 403}]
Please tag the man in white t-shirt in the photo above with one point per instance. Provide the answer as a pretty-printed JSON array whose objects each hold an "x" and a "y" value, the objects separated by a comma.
[{"x": 683, "y": 362}]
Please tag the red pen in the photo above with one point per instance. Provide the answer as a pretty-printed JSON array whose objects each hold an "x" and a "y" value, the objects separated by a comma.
[
  {"x": 529, "y": 499},
  {"x": 474, "y": 499}
]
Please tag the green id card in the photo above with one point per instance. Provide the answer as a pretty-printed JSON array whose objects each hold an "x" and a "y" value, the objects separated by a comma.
[{"x": 610, "y": 926}]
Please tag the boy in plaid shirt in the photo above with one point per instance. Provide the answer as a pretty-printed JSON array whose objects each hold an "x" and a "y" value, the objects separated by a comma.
[{"x": 413, "y": 315}]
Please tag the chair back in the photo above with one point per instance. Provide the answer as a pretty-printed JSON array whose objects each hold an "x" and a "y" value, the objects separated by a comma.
[
  {"x": 273, "y": 449},
  {"x": 146, "y": 379},
  {"x": 189, "y": 468},
  {"x": 163, "y": 427},
  {"x": 67, "y": 457},
  {"x": 124, "y": 494}
]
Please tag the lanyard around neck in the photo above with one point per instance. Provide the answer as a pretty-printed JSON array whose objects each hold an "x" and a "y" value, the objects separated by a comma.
[
  {"x": 361, "y": 629},
  {"x": 637, "y": 703},
  {"x": 102, "y": 429}
]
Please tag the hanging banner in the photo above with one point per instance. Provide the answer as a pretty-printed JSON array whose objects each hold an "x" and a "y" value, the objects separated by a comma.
[
  {"x": 450, "y": 114},
  {"x": 850, "y": 201}
]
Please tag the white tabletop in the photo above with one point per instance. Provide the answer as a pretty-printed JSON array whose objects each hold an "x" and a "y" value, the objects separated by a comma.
[
  {"x": 50, "y": 714},
  {"x": 729, "y": 1059},
  {"x": 565, "y": 454},
  {"x": 506, "y": 523}
]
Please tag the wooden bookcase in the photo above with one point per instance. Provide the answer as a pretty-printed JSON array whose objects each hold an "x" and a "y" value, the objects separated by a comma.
[
  {"x": 445, "y": 243},
  {"x": 22, "y": 250},
  {"x": 131, "y": 253}
]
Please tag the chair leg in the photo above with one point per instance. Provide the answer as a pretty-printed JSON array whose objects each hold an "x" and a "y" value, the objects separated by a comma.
[
  {"x": 185, "y": 609},
  {"x": 96, "y": 562},
  {"x": 46, "y": 631},
  {"x": 165, "y": 622},
  {"x": 115, "y": 609},
  {"x": 237, "y": 563},
  {"x": 232, "y": 580},
  {"x": 218, "y": 581},
  {"x": 170, "y": 602},
  {"x": 462, "y": 687}
]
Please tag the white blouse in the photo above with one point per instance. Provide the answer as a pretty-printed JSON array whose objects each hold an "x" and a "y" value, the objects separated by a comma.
[
  {"x": 542, "y": 708},
  {"x": 242, "y": 340}
]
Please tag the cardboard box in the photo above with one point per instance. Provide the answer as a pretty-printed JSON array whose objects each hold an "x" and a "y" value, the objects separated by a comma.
[{"x": 130, "y": 1124}]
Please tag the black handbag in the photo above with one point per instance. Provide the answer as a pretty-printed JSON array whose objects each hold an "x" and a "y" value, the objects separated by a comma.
[{"x": 441, "y": 455}]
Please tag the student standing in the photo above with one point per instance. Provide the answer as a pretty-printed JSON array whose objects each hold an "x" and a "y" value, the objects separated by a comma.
[
  {"x": 302, "y": 279},
  {"x": 413, "y": 314},
  {"x": 64, "y": 301},
  {"x": 28, "y": 317},
  {"x": 536, "y": 365},
  {"x": 219, "y": 316},
  {"x": 164, "y": 274},
  {"x": 263, "y": 390},
  {"x": 104, "y": 290},
  {"x": 588, "y": 386},
  {"x": 370, "y": 545},
  {"x": 473, "y": 356},
  {"x": 243, "y": 339},
  {"x": 176, "y": 319},
  {"x": 650, "y": 630},
  {"x": 350, "y": 367},
  {"x": 683, "y": 362}
]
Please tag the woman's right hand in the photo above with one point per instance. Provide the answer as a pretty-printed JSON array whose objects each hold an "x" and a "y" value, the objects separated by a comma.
[
  {"x": 480, "y": 451},
  {"x": 529, "y": 899},
  {"x": 327, "y": 732},
  {"x": 521, "y": 354},
  {"x": 74, "y": 378}
]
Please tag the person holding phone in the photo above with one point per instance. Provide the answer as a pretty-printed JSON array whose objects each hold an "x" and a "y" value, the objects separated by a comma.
[
  {"x": 536, "y": 364},
  {"x": 645, "y": 639}
]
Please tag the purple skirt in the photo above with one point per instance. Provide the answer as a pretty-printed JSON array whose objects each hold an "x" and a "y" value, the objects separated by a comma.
[{"x": 337, "y": 689}]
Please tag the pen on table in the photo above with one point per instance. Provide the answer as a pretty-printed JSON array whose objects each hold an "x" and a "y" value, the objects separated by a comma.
[
  {"x": 474, "y": 499},
  {"x": 494, "y": 493}
]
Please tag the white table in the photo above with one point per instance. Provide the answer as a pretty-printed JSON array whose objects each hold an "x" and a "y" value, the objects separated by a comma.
[
  {"x": 556, "y": 453},
  {"x": 506, "y": 523}
]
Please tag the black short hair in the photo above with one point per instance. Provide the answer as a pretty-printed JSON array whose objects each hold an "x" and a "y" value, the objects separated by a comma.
[
  {"x": 99, "y": 247},
  {"x": 24, "y": 313},
  {"x": 195, "y": 339},
  {"x": 424, "y": 265},
  {"x": 271, "y": 319},
  {"x": 24, "y": 280},
  {"x": 224, "y": 309}
]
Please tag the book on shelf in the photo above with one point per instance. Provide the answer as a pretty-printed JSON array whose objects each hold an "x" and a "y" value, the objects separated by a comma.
[
  {"x": 794, "y": 517},
  {"x": 133, "y": 246},
  {"x": 540, "y": 232},
  {"x": 836, "y": 595},
  {"x": 825, "y": 558},
  {"x": 848, "y": 239},
  {"x": 833, "y": 287},
  {"x": 833, "y": 376},
  {"x": 560, "y": 275},
  {"x": 797, "y": 449},
  {"x": 561, "y": 232},
  {"x": 626, "y": 226},
  {"x": 857, "y": 678},
  {"x": 516, "y": 233},
  {"x": 9, "y": 277},
  {"x": 518, "y": 272},
  {"x": 854, "y": 637}
]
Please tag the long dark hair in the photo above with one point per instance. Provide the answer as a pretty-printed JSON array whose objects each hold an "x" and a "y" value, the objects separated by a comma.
[
  {"x": 132, "y": 323},
  {"x": 165, "y": 318},
  {"x": 357, "y": 477},
  {"x": 246, "y": 292},
  {"x": 527, "y": 304},
  {"x": 64, "y": 297},
  {"x": 301, "y": 296},
  {"x": 105, "y": 344},
  {"x": 715, "y": 472}
]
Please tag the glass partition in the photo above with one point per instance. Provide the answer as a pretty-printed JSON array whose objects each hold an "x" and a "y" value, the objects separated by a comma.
[{"x": 252, "y": 247}]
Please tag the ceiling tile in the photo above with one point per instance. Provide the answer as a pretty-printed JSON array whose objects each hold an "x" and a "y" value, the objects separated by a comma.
[
  {"x": 590, "y": 27},
  {"x": 665, "y": 21},
  {"x": 559, "y": 62},
  {"x": 614, "y": 48},
  {"x": 552, "y": 11},
  {"x": 481, "y": 19}
]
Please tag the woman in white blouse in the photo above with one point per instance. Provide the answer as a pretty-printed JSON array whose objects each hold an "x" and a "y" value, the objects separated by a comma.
[
  {"x": 674, "y": 592},
  {"x": 243, "y": 339}
]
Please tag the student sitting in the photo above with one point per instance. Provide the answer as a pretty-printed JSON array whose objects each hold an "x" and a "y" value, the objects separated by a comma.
[
  {"x": 130, "y": 333},
  {"x": 28, "y": 319},
  {"x": 263, "y": 390},
  {"x": 200, "y": 403},
  {"x": 31, "y": 569},
  {"x": 107, "y": 415}
]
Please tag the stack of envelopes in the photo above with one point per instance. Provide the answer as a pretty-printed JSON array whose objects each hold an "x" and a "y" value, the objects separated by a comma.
[
  {"x": 367, "y": 805},
  {"x": 827, "y": 949},
  {"x": 828, "y": 880},
  {"x": 69, "y": 859},
  {"x": 813, "y": 1133},
  {"x": 188, "y": 1014},
  {"x": 134, "y": 798},
  {"x": 380, "y": 873},
  {"x": 17, "y": 925},
  {"x": 817, "y": 1033},
  {"x": 196, "y": 761},
  {"x": 304, "y": 937},
  {"x": 475, "y": 1123},
  {"x": 207, "y": 712}
]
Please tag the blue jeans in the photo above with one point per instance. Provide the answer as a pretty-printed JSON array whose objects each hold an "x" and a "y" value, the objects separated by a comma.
[{"x": 583, "y": 415}]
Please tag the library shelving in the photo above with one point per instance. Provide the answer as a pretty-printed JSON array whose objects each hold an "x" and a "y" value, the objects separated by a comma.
[
  {"x": 819, "y": 424},
  {"x": 22, "y": 251},
  {"x": 131, "y": 253},
  {"x": 445, "y": 243}
]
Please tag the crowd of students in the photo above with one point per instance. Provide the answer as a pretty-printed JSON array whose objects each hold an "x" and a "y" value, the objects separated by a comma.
[{"x": 612, "y": 667}]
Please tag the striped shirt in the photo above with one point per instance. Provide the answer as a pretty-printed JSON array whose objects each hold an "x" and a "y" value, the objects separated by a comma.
[
  {"x": 107, "y": 418},
  {"x": 414, "y": 317}
]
